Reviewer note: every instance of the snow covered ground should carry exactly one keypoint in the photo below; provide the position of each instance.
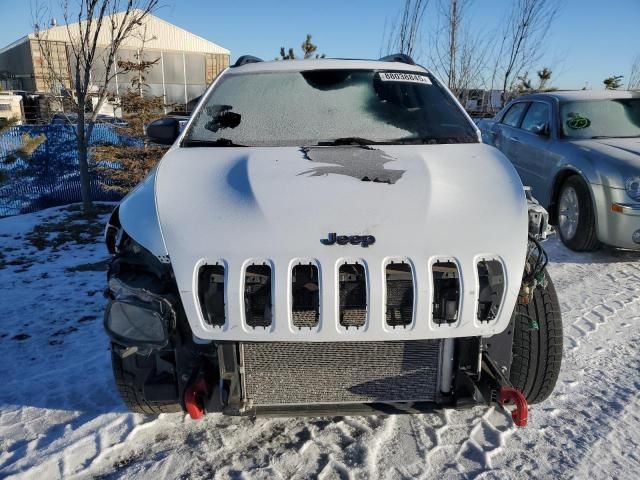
(60, 415)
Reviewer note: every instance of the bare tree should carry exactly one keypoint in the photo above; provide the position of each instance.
(634, 76)
(522, 41)
(404, 33)
(92, 59)
(458, 54)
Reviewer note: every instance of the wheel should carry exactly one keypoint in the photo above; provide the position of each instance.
(537, 352)
(130, 374)
(576, 216)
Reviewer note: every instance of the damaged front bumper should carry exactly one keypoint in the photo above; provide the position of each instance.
(477, 378)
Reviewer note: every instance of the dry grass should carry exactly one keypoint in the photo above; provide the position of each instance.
(75, 227)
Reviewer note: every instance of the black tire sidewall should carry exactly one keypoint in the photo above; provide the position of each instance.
(537, 352)
(125, 380)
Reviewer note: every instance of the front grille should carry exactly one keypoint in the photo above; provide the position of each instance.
(355, 285)
(303, 373)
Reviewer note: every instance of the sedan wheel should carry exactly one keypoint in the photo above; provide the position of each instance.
(568, 212)
(576, 216)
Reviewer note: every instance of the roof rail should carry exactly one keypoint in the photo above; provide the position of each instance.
(398, 57)
(244, 59)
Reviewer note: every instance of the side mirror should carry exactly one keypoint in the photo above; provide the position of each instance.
(164, 130)
(542, 129)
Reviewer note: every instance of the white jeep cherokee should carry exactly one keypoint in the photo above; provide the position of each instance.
(329, 236)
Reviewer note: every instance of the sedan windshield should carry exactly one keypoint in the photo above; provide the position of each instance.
(328, 107)
(601, 118)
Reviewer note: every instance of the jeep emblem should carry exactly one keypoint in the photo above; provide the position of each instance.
(363, 240)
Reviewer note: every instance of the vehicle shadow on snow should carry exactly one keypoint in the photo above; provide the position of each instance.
(48, 404)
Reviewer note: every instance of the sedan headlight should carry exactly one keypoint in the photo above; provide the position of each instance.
(632, 186)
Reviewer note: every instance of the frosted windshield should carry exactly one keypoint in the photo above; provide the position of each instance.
(312, 107)
(601, 118)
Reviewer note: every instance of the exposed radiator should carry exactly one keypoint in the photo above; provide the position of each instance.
(297, 373)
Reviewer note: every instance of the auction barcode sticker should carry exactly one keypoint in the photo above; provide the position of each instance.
(404, 77)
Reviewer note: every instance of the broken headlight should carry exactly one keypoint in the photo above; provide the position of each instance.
(136, 317)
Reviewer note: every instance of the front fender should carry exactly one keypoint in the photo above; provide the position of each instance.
(597, 168)
(559, 178)
(137, 215)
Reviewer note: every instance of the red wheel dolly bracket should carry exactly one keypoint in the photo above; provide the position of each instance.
(521, 413)
(194, 398)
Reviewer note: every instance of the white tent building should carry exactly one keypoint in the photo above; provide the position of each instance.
(186, 63)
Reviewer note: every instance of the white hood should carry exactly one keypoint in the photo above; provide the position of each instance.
(238, 205)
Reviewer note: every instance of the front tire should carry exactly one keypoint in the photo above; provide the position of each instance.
(537, 352)
(128, 373)
(577, 216)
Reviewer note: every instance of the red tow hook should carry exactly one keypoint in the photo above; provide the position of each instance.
(194, 397)
(521, 413)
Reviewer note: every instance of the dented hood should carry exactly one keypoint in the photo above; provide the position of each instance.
(276, 204)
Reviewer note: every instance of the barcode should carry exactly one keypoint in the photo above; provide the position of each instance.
(404, 77)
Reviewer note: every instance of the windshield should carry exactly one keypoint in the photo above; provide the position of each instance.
(601, 118)
(319, 107)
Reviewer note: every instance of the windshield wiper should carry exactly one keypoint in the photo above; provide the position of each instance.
(393, 141)
(349, 141)
(428, 140)
(220, 142)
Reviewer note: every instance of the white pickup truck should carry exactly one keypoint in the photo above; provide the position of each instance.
(329, 236)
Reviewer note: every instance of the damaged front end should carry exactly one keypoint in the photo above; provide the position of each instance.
(154, 356)
(164, 364)
(143, 299)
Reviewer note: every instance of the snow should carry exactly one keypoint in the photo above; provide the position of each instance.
(60, 414)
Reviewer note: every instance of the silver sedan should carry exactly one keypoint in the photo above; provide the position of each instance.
(580, 153)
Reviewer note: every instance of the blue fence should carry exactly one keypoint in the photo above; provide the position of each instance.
(51, 176)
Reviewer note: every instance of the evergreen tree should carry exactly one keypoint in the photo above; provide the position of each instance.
(613, 82)
(133, 162)
(544, 76)
(308, 49)
(524, 83)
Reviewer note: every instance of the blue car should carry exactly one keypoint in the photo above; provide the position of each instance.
(580, 153)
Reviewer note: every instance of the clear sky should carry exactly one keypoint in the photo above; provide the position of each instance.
(590, 40)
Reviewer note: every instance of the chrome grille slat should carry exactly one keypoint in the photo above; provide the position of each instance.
(292, 373)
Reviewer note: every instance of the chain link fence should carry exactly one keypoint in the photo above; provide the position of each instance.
(51, 176)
